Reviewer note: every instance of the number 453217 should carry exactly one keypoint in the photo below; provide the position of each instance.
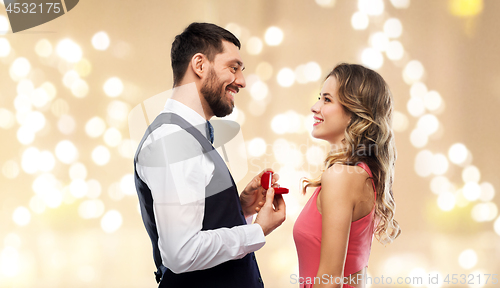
(471, 279)
(33, 8)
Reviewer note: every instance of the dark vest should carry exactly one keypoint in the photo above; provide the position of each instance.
(222, 210)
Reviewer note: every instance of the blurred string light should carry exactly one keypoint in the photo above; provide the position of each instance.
(259, 90)
(257, 147)
(273, 36)
(117, 112)
(66, 152)
(487, 192)
(446, 201)
(112, 137)
(254, 45)
(39, 97)
(100, 41)
(395, 50)
(309, 72)
(371, 7)
(288, 122)
(94, 189)
(428, 123)
(400, 121)
(69, 50)
(43, 48)
(4, 47)
(66, 124)
(326, 3)
(79, 88)
(471, 191)
(235, 29)
(21, 216)
(417, 273)
(19, 69)
(286, 77)
(101, 155)
(413, 72)
(77, 171)
(441, 184)
(393, 28)
(465, 8)
(9, 261)
(467, 259)
(89, 209)
(359, 21)
(78, 188)
(29, 160)
(484, 212)
(113, 87)
(95, 127)
(471, 174)
(25, 135)
(315, 155)
(4, 25)
(379, 41)
(70, 77)
(372, 58)
(83, 67)
(46, 161)
(458, 153)
(111, 221)
(496, 226)
(400, 4)
(127, 184)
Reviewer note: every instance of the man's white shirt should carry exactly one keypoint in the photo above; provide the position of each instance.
(178, 191)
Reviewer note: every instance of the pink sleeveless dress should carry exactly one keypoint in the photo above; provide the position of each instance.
(307, 236)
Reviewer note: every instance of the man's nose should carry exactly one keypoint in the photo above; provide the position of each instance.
(240, 80)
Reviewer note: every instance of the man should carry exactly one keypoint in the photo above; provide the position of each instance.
(189, 201)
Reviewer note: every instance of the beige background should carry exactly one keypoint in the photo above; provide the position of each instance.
(58, 248)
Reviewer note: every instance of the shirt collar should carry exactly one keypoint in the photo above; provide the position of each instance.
(188, 114)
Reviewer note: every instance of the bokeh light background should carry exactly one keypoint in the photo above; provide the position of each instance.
(68, 208)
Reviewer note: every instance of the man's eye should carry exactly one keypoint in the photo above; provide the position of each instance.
(234, 69)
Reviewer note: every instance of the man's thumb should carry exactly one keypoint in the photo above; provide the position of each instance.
(270, 196)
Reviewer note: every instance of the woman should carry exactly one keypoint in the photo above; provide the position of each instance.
(353, 201)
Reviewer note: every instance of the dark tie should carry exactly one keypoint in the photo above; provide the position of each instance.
(210, 132)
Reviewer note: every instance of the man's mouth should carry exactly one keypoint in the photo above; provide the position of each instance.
(232, 92)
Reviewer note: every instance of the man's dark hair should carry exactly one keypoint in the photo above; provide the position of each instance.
(205, 38)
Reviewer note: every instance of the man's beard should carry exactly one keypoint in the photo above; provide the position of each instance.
(214, 93)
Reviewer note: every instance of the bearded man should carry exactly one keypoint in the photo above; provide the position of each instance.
(200, 226)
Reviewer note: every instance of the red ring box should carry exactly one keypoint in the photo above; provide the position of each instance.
(265, 182)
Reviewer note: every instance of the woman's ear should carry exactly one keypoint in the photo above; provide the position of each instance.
(197, 64)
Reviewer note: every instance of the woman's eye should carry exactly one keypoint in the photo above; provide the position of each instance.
(327, 100)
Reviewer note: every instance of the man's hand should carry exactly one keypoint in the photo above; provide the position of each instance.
(273, 213)
(253, 196)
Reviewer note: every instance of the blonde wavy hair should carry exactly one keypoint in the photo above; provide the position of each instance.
(368, 138)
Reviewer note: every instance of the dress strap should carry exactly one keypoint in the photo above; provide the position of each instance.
(367, 169)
